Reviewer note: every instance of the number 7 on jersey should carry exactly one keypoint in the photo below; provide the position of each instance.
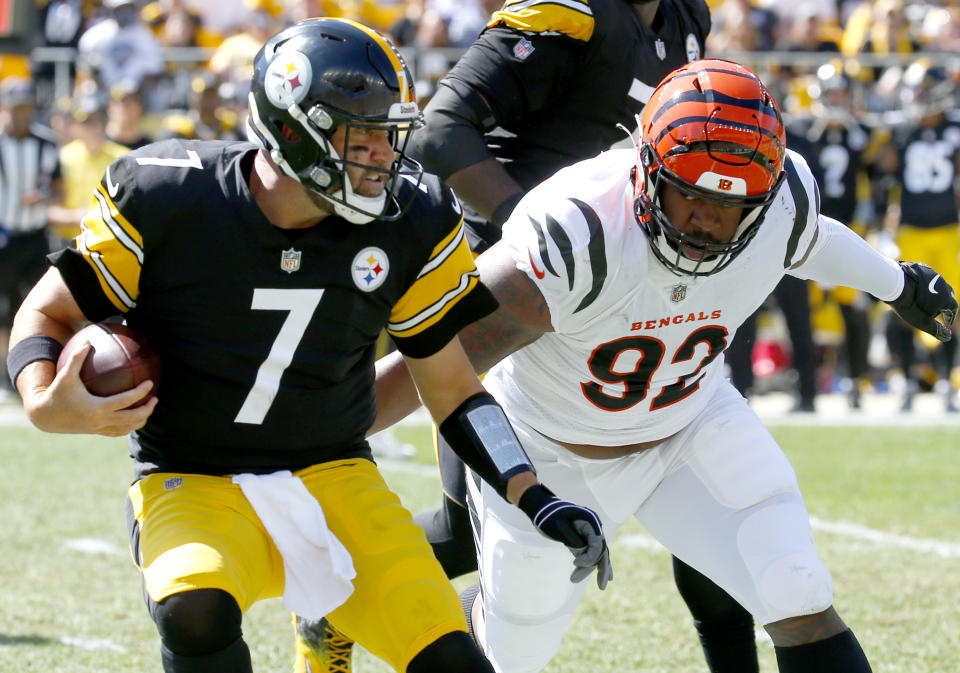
(301, 305)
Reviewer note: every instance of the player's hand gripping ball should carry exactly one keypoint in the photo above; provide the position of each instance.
(120, 359)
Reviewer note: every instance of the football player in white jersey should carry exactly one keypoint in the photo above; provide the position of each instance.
(621, 280)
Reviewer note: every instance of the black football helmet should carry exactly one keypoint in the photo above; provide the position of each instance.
(926, 89)
(314, 77)
(831, 94)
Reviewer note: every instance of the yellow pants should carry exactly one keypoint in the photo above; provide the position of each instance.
(199, 532)
(938, 247)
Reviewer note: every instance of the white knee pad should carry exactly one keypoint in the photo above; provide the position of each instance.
(776, 544)
(526, 581)
(795, 585)
(528, 598)
(520, 646)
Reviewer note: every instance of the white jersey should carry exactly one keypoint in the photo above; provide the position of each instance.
(637, 350)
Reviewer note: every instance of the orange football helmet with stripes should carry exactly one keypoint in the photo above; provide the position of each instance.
(712, 130)
(316, 76)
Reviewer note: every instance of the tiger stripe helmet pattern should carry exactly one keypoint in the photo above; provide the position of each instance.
(713, 131)
(312, 78)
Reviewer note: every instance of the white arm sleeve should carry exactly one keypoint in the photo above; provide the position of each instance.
(841, 257)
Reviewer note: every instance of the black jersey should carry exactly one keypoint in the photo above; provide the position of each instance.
(266, 336)
(927, 169)
(835, 154)
(559, 77)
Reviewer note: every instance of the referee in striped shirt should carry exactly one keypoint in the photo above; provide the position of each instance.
(29, 178)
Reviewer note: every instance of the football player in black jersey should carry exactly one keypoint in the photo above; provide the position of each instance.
(838, 149)
(926, 153)
(263, 274)
(546, 85)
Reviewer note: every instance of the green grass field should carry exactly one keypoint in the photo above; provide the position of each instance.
(71, 598)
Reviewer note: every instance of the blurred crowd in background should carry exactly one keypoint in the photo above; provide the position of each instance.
(864, 76)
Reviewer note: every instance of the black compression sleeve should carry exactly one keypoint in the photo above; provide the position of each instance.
(478, 431)
(452, 137)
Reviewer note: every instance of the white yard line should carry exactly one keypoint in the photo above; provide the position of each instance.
(92, 545)
(884, 539)
(91, 643)
(839, 528)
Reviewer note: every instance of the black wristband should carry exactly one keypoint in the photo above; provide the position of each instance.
(29, 350)
(534, 499)
(503, 211)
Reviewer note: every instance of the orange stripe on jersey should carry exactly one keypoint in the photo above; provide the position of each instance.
(448, 276)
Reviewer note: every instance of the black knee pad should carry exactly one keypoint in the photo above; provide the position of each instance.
(454, 651)
(198, 622)
(234, 658)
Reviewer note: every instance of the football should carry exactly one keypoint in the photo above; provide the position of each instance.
(120, 359)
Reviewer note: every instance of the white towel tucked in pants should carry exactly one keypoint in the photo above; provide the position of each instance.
(318, 569)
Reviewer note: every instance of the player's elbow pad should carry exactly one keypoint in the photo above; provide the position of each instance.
(452, 137)
(480, 434)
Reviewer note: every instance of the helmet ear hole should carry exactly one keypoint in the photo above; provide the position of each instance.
(647, 157)
(288, 133)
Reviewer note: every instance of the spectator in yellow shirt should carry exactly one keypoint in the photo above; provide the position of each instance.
(83, 162)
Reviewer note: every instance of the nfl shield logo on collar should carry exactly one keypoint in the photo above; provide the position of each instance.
(661, 49)
(290, 260)
(678, 293)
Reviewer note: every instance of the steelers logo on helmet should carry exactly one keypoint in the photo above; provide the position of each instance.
(370, 267)
(288, 79)
(712, 131)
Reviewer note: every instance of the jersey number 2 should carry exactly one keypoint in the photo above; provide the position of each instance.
(300, 304)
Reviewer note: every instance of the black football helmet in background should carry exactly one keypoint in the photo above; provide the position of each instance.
(926, 89)
(832, 94)
(321, 73)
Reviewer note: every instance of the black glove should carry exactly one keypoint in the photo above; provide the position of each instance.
(925, 296)
(577, 527)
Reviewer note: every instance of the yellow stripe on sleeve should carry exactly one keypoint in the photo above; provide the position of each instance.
(572, 18)
(449, 276)
(114, 250)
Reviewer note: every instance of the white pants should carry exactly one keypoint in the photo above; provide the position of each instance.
(720, 495)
